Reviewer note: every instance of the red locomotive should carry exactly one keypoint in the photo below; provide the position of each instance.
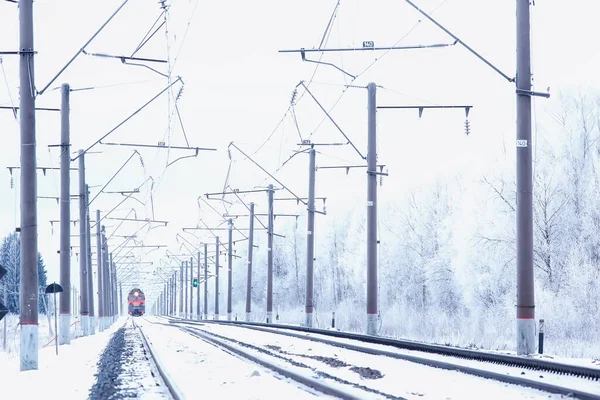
(136, 302)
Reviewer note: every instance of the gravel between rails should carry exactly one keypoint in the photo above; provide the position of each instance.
(126, 371)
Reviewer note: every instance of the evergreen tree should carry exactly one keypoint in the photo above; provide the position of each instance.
(10, 258)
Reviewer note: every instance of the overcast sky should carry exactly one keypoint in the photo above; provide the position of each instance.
(237, 87)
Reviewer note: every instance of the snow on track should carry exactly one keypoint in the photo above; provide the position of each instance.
(586, 385)
(398, 377)
(126, 371)
(200, 368)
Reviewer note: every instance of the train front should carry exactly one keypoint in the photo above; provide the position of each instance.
(137, 303)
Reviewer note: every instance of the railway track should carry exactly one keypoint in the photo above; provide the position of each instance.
(166, 378)
(356, 342)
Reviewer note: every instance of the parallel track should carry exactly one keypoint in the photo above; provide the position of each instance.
(507, 360)
(318, 385)
(166, 377)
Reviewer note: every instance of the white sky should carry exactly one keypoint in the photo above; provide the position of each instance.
(237, 88)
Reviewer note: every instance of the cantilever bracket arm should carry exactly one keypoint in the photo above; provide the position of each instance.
(303, 54)
(453, 36)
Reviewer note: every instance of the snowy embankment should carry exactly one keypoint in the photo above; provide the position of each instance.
(198, 366)
(68, 375)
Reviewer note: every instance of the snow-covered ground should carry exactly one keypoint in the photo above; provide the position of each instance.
(70, 375)
(199, 367)
(400, 378)
(264, 338)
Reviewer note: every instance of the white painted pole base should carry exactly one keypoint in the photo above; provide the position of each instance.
(64, 326)
(269, 317)
(228, 316)
(100, 324)
(372, 324)
(29, 347)
(216, 317)
(308, 320)
(92, 325)
(525, 336)
(85, 325)
(248, 317)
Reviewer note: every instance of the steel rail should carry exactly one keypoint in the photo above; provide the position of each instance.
(173, 389)
(592, 373)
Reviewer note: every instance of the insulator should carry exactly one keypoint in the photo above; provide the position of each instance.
(467, 127)
(141, 160)
(12, 182)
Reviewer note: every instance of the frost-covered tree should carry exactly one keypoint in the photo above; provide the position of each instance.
(10, 258)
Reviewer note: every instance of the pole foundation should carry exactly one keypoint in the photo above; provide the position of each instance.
(269, 317)
(308, 320)
(93, 323)
(526, 336)
(85, 325)
(248, 317)
(29, 347)
(228, 316)
(372, 324)
(64, 336)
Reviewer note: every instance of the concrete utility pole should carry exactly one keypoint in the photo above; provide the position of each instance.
(270, 258)
(191, 287)
(83, 238)
(217, 281)
(65, 218)
(100, 272)
(229, 270)
(310, 239)
(181, 291)
(185, 285)
(249, 279)
(372, 312)
(105, 304)
(174, 293)
(28, 290)
(90, 275)
(206, 281)
(109, 294)
(121, 297)
(525, 287)
(198, 312)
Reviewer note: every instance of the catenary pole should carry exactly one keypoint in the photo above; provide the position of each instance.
(372, 312)
(181, 291)
(217, 280)
(99, 263)
(29, 353)
(185, 284)
(105, 303)
(270, 257)
(90, 276)
(229, 270)
(83, 238)
(310, 239)
(249, 278)
(65, 218)
(198, 310)
(525, 287)
(206, 281)
(191, 316)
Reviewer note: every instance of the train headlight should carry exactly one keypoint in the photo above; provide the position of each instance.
(136, 294)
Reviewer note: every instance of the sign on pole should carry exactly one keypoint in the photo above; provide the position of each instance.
(55, 288)
(195, 282)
